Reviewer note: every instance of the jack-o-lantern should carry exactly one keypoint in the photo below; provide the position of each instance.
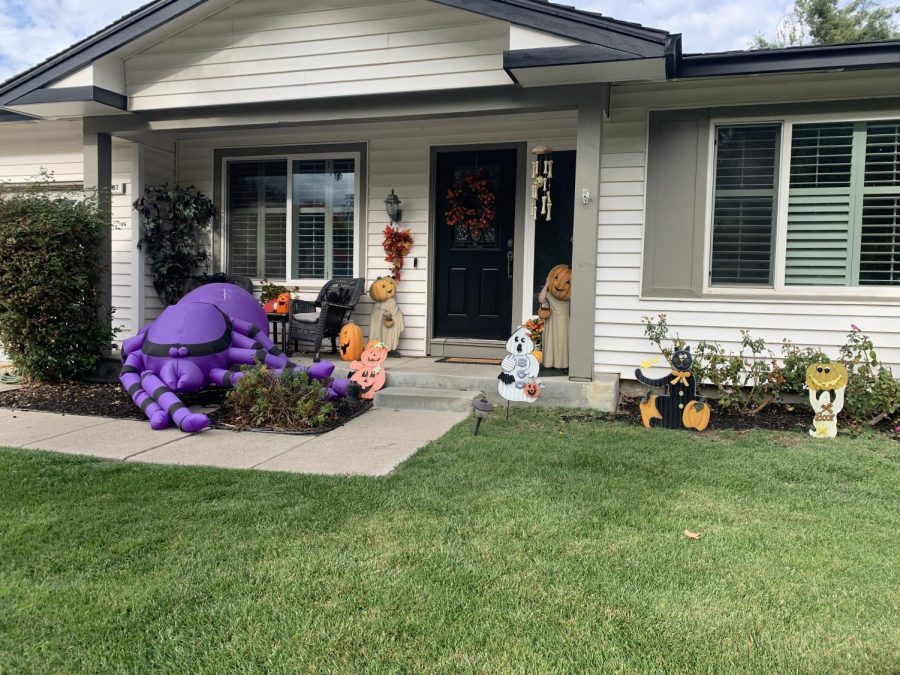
(283, 303)
(383, 288)
(532, 390)
(350, 342)
(559, 282)
(648, 410)
(369, 371)
(826, 376)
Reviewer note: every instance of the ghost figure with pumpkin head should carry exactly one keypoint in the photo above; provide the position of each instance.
(519, 369)
(554, 299)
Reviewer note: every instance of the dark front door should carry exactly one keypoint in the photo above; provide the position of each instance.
(473, 271)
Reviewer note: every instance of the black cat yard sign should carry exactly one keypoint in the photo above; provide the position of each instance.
(680, 407)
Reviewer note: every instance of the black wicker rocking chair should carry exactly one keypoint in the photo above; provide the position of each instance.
(312, 322)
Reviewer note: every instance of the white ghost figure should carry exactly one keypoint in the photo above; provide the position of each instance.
(519, 368)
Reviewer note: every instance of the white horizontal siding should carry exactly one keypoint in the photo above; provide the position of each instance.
(398, 158)
(29, 148)
(158, 168)
(122, 240)
(619, 342)
(278, 50)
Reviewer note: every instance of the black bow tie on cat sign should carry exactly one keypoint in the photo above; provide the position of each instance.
(679, 407)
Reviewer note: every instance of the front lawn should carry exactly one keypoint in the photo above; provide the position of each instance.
(545, 544)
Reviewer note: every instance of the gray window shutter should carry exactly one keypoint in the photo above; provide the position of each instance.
(675, 219)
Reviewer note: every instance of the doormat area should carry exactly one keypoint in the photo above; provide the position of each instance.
(471, 361)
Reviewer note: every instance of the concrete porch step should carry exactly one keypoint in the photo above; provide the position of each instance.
(601, 394)
(415, 398)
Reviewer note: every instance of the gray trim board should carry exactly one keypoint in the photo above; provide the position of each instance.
(568, 22)
(70, 94)
(10, 116)
(563, 56)
(350, 110)
(584, 238)
(98, 176)
(220, 154)
(867, 55)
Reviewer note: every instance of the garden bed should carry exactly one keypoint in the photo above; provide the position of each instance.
(774, 417)
(110, 400)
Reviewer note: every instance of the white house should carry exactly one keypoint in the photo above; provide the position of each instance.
(756, 190)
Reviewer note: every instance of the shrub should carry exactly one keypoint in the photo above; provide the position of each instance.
(174, 219)
(287, 402)
(747, 382)
(50, 322)
(796, 360)
(751, 379)
(872, 392)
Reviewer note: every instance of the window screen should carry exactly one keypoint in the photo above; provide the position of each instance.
(746, 175)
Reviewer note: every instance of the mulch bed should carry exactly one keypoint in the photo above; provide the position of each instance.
(774, 417)
(110, 400)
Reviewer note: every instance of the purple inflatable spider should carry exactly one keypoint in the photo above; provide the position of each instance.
(203, 340)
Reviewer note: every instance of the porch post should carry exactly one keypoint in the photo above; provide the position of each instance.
(98, 176)
(584, 236)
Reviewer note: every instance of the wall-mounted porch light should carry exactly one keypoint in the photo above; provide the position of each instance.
(392, 206)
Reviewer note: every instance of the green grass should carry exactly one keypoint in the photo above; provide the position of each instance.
(542, 545)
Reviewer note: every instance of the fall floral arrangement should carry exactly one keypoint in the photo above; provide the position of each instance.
(471, 203)
(397, 244)
(535, 326)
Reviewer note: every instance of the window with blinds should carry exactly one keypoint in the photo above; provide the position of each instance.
(324, 194)
(743, 228)
(319, 241)
(257, 218)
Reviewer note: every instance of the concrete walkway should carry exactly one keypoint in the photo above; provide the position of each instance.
(373, 444)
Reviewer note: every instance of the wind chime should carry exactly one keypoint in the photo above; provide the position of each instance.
(541, 174)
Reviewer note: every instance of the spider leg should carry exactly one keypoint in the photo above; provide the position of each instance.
(168, 401)
(247, 336)
(134, 343)
(251, 356)
(226, 378)
(130, 378)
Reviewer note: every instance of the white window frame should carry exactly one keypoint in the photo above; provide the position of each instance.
(308, 283)
(778, 287)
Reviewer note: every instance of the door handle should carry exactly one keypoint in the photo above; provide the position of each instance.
(509, 264)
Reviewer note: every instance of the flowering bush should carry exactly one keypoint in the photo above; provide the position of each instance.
(471, 203)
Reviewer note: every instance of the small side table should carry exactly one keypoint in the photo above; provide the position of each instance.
(283, 320)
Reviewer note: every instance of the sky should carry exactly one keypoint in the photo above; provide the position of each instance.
(32, 30)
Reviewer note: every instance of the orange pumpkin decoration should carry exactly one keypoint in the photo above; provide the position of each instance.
(383, 288)
(648, 410)
(350, 342)
(369, 372)
(283, 304)
(696, 415)
(533, 390)
(544, 312)
(559, 282)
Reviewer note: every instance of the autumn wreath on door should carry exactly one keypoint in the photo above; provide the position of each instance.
(471, 204)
